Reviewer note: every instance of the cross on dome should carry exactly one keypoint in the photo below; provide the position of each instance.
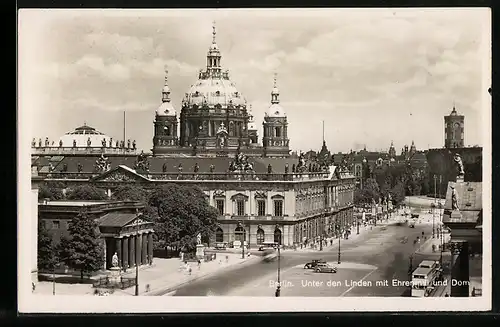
(213, 32)
(166, 74)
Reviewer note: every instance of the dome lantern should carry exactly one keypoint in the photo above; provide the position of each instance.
(166, 108)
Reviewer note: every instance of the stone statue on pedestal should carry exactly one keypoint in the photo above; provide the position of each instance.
(114, 260)
(198, 239)
(454, 198)
(460, 166)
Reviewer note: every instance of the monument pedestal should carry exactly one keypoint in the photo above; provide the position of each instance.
(200, 251)
(115, 275)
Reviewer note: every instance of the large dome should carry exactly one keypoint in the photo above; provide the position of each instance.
(82, 135)
(213, 90)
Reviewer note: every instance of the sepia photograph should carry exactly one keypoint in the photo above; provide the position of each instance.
(254, 160)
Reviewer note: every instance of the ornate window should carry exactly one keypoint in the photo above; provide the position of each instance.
(278, 208)
(56, 224)
(219, 204)
(260, 236)
(240, 207)
(219, 235)
(261, 207)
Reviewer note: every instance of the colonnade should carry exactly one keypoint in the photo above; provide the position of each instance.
(136, 249)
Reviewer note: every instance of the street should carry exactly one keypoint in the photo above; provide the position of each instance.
(370, 264)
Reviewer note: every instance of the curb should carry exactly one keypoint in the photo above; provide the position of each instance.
(173, 288)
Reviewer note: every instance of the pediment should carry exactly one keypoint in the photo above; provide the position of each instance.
(120, 174)
(137, 221)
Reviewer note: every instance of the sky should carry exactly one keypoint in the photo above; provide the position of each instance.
(373, 76)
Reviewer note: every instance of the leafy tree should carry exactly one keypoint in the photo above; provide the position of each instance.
(50, 191)
(130, 193)
(369, 193)
(83, 250)
(398, 193)
(86, 192)
(180, 213)
(47, 251)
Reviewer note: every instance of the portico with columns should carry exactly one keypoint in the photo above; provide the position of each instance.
(128, 235)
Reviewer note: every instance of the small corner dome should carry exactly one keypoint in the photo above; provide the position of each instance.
(276, 110)
(251, 126)
(166, 109)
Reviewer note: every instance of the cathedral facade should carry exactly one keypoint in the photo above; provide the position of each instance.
(216, 120)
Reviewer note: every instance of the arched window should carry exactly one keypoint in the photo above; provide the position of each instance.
(231, 128)
(239, 234)
(219, 235)
(260, 236)
(278, 131)
(277, 236)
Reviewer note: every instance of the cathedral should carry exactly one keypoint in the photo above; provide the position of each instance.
(215, 119)
(262, 193)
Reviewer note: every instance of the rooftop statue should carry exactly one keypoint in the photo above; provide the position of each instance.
(142, 163)
(102, 164)
(459, 165)
(301, 166)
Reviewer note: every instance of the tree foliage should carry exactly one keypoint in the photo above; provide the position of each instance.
(130, 192)
(181, 213)
(369, 193)
(47, 251)
(83, 250)
(50, 191)
(86, 192)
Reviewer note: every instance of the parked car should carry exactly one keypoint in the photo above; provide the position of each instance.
(313, 264)
(325, 268)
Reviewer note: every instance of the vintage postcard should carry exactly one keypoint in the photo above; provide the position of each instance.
(254, 160)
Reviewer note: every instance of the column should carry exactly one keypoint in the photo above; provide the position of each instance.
(125, 253)
(144, 249)
(460, 269)
(150, 247)
(132, 251)
(138, 245)
(118, 249)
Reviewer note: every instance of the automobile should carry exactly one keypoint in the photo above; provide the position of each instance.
(325, 268)
(270, 255)
(313, 263)
(267, 245)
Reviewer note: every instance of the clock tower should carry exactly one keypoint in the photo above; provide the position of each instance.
(454, 130)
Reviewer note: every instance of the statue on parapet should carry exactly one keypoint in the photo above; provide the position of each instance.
(128, 144)
(164, 167)
(196, 168)
(301, 166)
(110, 142)
(212, 168)
(74, 143)
(89, 142)
(459, 165)
(47, 143)
(60, 143)
(33, 143)
(102, 164)
(134, 145)
(142, 163)
(103, 143)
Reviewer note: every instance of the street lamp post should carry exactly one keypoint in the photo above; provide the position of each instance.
(357, 227)
(340, 235)
(434, 209)
(278, 288)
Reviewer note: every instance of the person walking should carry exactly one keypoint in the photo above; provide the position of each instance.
(199, 264)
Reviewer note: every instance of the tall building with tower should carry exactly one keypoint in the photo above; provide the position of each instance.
(454, 130)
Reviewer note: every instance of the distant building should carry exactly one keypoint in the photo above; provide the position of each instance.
(454, 130)
(441, 162)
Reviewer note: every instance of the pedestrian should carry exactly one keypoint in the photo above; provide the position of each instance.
(189, 269)
(227, 259)
(199, 264)
(331, 242)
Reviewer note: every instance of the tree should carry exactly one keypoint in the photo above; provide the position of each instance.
(86, 192)
(130, 193)
(398, 193)
(369, 193)
(83, 250)
(181, 213)
(50, 191)
(47, 251)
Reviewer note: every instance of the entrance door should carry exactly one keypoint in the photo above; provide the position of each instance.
(277, 236)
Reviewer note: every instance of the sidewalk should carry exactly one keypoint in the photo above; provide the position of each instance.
(426, 247)
(163, 275)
